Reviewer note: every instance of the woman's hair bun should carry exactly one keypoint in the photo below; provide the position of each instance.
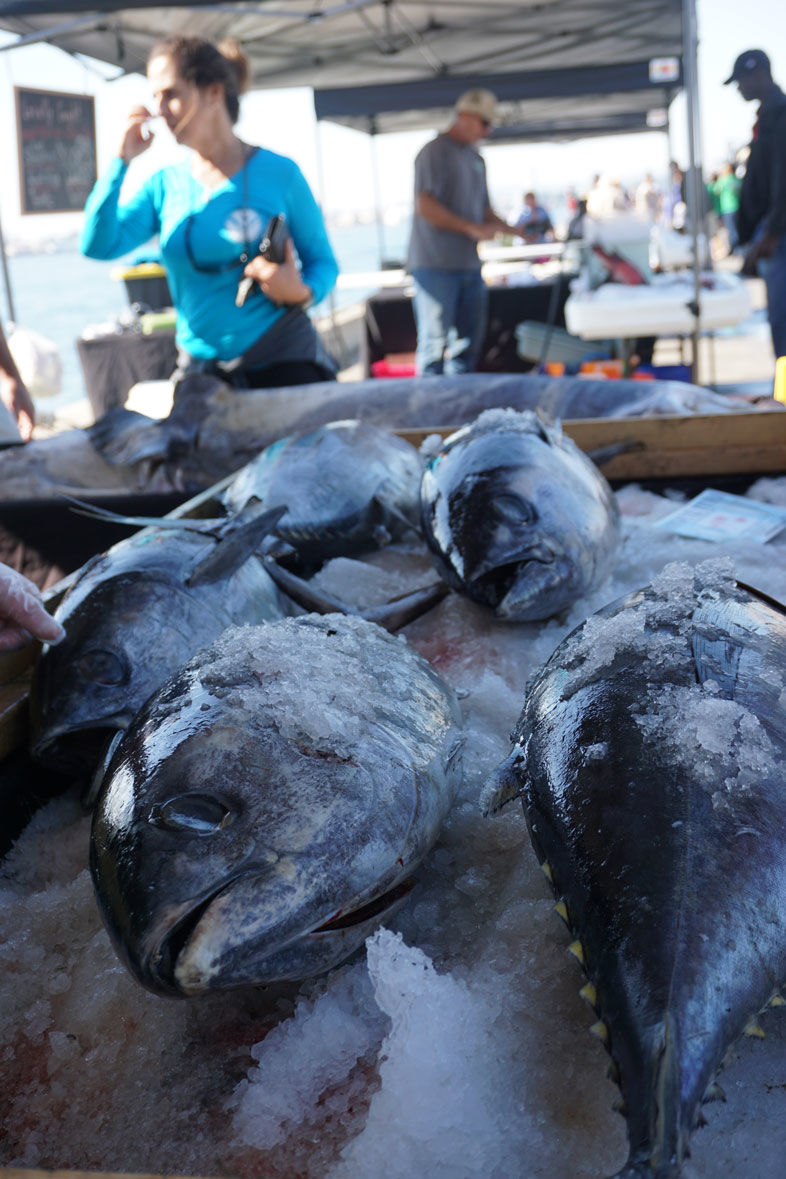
(230, 49)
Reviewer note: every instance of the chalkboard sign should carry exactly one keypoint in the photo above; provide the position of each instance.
(56, 134)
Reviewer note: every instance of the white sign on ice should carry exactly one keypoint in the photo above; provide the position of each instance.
(717, 515)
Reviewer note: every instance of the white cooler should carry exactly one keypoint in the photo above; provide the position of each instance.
(658, 308)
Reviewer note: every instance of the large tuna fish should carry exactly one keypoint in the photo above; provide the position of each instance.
(269, 805)
(518, 518)
(132, 616)
(650, 756)
(347, 487)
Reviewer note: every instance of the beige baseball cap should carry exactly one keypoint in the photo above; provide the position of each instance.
(478, 102)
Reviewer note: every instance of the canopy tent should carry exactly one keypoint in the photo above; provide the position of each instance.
(395, 64)
(533, 104)
(366, 60)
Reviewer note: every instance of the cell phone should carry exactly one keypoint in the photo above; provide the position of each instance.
(273, 244)
(273, 247)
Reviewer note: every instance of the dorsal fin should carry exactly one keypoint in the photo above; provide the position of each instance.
(234, 547)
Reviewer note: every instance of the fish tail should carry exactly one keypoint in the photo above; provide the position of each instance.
(661, 1143)
(641, 1168)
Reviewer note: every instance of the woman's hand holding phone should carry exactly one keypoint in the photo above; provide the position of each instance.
(137, 135)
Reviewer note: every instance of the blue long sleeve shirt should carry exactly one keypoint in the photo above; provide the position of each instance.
(202, 235)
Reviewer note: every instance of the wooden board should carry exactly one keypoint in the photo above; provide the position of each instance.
(675, 447)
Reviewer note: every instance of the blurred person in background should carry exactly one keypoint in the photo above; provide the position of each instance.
(607, 198)
(726, 197)
(13, 392)
(452, 213)
(761, 216)
(647, 199)
(534, 223)
(212, 211)
(674, 208)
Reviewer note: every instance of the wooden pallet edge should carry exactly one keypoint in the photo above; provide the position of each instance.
(662, 446)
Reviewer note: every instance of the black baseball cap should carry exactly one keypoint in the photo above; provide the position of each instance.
(746, 63)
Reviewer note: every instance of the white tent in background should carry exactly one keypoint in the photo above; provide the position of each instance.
(561, 68)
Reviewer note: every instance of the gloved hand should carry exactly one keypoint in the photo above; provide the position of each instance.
(22, 612)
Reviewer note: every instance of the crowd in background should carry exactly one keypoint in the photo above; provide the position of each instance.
(664, 205)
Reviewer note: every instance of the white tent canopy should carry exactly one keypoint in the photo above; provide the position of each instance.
(562, 68)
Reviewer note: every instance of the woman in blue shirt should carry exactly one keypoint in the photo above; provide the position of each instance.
(211, 214)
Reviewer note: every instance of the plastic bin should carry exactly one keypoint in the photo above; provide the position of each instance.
(666, 372)
(145, 283)
(531, 336)
(394, 366)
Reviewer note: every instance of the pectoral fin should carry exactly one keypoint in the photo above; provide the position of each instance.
(235, 546)
(506, 783)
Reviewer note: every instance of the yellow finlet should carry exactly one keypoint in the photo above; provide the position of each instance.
(714, 1093)
(600, 1030)
(779, 386)
(562, 910)
(753, 1029)
(613, 1072)
(777, 1000)
(577, 950)
(545, 868)
(589, 994)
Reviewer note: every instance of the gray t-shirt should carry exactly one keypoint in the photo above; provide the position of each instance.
(455, 175)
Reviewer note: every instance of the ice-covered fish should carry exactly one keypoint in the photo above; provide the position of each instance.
(269, 805)
(131, 617)
(347, 487)
(650, 757)
(517, 517)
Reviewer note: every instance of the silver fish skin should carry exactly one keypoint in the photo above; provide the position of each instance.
(517, 517)
(348, 487)
(269, 805)
(650, 759)
(132, 617)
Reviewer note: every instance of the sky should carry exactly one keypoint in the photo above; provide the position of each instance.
(340, 164)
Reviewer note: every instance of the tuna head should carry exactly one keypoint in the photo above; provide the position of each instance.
(517, 518)
(123, 638)
(242, 839)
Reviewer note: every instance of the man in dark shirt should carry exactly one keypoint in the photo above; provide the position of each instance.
(761, 217)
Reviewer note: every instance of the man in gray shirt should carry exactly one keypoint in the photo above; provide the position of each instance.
(452, 214)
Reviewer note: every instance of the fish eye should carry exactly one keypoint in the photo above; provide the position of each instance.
(512, 509)
(102, 667)
(201, 814)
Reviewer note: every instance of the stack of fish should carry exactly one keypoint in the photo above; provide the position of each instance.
(241, 838)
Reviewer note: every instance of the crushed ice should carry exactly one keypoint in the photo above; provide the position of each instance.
(458, 1046)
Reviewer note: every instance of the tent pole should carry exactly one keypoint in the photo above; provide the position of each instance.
(372, 128)
(695, 186)
(6, 277)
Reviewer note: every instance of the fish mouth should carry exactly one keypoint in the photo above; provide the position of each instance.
(519, 589)
(78, 749)
(350, 918)
(323, 945)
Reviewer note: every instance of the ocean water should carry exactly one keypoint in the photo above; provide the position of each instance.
(62, 293)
